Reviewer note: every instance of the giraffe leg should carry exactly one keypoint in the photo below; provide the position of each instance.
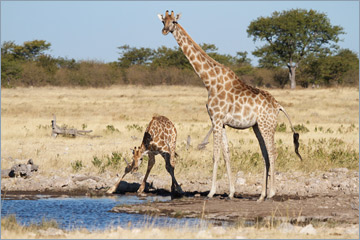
(216, 157)
(266, 161)
(114, 187)
(170, 167)
(270, 144)
(225, 149)
(151, 163)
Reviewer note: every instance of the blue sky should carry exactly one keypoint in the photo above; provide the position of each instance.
(92, 30)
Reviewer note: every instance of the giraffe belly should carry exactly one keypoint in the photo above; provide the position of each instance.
(239, 122)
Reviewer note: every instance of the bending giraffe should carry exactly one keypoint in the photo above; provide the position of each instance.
(159, 138)
(231, 103)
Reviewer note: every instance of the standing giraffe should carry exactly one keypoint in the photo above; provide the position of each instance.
(231, 103)
(159, 138)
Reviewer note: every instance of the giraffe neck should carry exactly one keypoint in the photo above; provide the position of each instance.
(202, 63)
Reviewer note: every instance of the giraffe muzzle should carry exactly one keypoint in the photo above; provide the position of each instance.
(165, 31)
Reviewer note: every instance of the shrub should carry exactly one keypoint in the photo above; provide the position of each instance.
(77, 165)
(115, 161)
(301, 128)
(281, 127)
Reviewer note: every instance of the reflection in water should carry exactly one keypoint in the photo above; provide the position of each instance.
(83, 212)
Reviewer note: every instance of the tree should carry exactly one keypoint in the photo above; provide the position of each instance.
(170, 57)
(10, 68)
(31, 50)
(291, 36)
(331, 69)
(134, 56)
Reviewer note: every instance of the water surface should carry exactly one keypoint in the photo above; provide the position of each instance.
(85, 212)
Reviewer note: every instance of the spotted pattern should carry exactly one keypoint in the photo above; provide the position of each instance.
(232, 103)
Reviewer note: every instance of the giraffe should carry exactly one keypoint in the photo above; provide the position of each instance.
(232, 103)
(159, 138)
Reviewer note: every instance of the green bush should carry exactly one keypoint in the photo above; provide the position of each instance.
(77, 165)
(115, 161)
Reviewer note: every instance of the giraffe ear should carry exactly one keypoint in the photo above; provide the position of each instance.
(178, 16)
(161, 17)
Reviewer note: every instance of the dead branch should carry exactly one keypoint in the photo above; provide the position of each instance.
(73, 132)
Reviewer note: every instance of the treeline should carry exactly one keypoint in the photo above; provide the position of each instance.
(29, 65)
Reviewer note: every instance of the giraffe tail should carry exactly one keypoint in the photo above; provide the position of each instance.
(295, 135)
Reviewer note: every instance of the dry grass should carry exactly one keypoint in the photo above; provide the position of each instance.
(12, 230)
(117, 114)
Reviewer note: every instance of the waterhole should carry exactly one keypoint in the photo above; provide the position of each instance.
(91, 213)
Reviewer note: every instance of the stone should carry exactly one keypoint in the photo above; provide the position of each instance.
(286, 227)
(339, 170)
(240, 181)
(308, 230)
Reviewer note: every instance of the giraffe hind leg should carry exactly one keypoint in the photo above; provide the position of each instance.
(266, 161)
(170, 167)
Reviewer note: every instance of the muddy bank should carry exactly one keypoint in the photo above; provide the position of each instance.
(245, 209)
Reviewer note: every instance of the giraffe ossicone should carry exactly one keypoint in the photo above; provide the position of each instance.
(231, 103)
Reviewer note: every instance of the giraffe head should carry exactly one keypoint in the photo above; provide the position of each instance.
(169, 21)
(138, 154)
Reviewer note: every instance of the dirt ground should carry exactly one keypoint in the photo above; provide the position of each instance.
(245, 209)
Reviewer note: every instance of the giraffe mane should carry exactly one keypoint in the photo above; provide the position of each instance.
(197, 47)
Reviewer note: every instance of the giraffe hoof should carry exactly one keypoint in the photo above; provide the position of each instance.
(110, 191)
(226, 198)
(272, 193)
(261, 199)
(142, 194)
(209, 196)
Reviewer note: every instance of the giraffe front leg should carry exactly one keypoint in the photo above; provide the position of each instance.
(225, 149)
(151, 163)
(114, 187)
(216, 157)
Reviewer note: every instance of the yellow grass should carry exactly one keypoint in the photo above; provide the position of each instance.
(12, 230)
(26, 115)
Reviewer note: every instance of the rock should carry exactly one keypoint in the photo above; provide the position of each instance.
(240, 181)
(339, 170)
(352, 230)
(308, 230)
(5, 173)
(20, 169)
(286, 227)
(88, 183)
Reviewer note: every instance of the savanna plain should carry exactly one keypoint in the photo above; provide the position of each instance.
(327, 120)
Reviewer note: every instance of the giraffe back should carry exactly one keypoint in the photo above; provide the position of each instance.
(160, 135)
